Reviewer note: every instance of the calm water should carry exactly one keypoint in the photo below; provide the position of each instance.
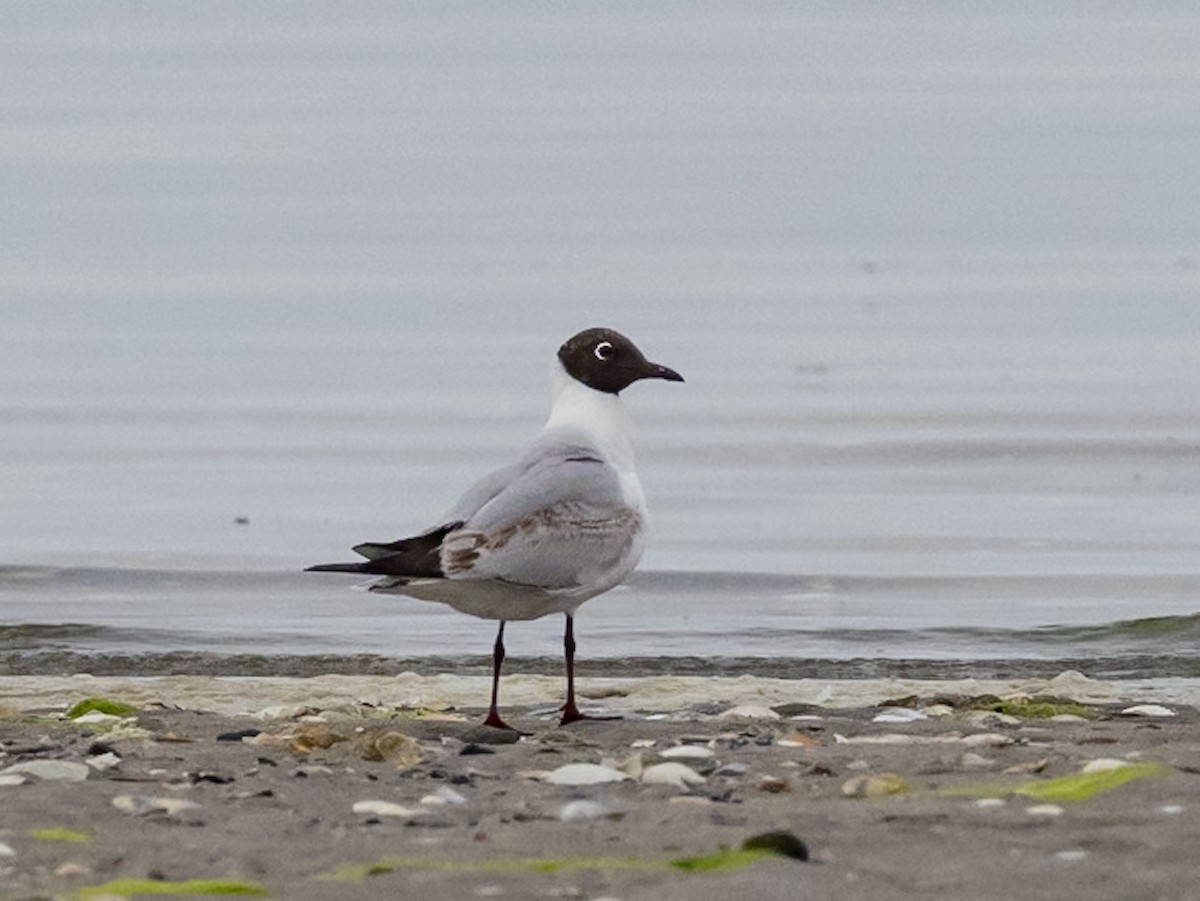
(933, 277)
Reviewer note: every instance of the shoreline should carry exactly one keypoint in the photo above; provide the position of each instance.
(243, 695)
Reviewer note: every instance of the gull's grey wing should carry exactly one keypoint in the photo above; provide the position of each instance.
(561, 523)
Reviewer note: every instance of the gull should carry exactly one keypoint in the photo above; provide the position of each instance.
(563, 524)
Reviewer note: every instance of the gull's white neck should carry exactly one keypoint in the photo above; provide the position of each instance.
(595, 416)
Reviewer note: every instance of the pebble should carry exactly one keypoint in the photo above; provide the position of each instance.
(6, 851)
(51, 770)
(386, 809)
(102, 762)
(798, 740)
(990, 802)
(732, 769)
(584, 774)
(96, 718)
(675, 774)
(1068, 718)
(582, 810)
(444, 795)
(1171, 809)
(12, 779)
(141, 805)
(687, 752)
(973, 761)
(748, 712)
(938, 710)
(875, 786)
(1072, 855)
(643, 743)
(898, 715)
(774, 785)
(1103, 765)
(1147, 710)
(1044, 810)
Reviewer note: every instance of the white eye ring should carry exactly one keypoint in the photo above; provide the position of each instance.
(603, 351)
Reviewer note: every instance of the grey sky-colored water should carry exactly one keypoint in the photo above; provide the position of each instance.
(932, 273)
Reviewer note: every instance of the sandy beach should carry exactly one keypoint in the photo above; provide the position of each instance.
(385, 787)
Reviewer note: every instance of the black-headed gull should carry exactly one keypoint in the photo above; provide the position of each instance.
(563, 524)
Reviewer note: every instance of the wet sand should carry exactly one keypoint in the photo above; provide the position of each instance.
(372, 787)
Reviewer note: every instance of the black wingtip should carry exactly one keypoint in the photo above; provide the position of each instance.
(335, 568)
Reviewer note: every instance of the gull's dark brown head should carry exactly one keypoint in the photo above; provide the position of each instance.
(608, 361)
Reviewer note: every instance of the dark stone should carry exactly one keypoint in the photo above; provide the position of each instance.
(239, 734)
(781, 842)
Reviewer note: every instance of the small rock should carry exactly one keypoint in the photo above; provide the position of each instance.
(898, 715)
(72, 868)
(140, 805)
(687, 752)
(1171, 809)
(691, 801)
(582, 809)
(732, 769)
(239, 734)
(938, 710)
(670, 773)
(6, 851)
(403, 751)
(12, 779)
(1044, 810)
(878, 786)
(472, 748)
(992, 718)
(1103, 765)
(798, 740)
(748, 712)
(1029, 766)
(1068, 718)
(1147, 710)
(973, 761)
(386, 809)
(774, 785)
(643, 743)
(990, 802)
(102, 762)
(490, 735)
(585, 774)
(51, 770)
(444, 795)
(1072, 855)
(781, 842)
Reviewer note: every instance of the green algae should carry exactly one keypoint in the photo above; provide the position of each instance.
(1038, 708)
(61, 834)
(100, 705)
(726, 859)
(132, 887)
(1076, 787)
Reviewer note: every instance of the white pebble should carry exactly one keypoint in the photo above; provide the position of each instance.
(643, 743)
(675, 774)
(584, 774)
(102, 762)
(1072, 855)
(385, 809)
(140, 805)
(990, 802)
(96, 718)
(687, 752)
(749, 712)
(1171, 809)
(1148, 710)
(938, 710)
(582, 810)
(51, 770)
(12, 779)
(6, 851)
(1044, 810)
(898, 715)
(1103, 765)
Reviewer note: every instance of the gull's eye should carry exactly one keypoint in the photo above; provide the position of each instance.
(604, 351)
